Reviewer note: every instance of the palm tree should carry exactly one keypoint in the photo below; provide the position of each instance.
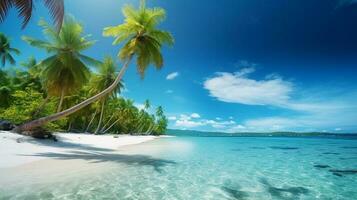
(65, 70)
(6, 50)
(25, 8)
(142, 39)
(102, 80)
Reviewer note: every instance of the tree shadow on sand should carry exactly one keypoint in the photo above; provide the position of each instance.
(64, 144)
(99, 157)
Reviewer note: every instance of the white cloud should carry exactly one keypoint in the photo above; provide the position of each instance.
(172, 76)
(172, 118)
(184, 117)
(218, 118)
(239, 88)
(195, 115)
(194, 120)
(315, 121)
(187, 123)
(169, 91)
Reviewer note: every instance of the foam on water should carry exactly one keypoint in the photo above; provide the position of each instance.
(212, 168)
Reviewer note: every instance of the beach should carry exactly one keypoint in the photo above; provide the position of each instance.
(17, 150)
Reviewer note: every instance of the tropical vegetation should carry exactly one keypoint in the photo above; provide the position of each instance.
(56, 89)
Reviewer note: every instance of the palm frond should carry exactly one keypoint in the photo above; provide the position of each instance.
(88, 60)
(40, 44)
(141, 36)
(16, 51)
(5, 6)
(24, 8)
(163, 37)
(10, 59)
(49, 31)
(56, 8)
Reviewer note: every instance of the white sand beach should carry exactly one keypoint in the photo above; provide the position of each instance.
(17, 150)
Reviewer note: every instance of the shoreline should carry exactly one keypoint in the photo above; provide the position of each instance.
(17, 150)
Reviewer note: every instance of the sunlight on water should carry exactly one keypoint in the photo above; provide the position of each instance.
(213, 168)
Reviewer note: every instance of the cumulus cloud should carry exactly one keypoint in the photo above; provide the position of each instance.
(172, 118)
(239, 88)
(273, 90)
(315, 109)
(172, 76)
(194, 120)
(195, 115)
(187, 124)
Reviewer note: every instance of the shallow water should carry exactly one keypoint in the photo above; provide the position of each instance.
(207, 168)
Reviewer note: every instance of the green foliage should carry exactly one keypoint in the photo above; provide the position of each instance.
(28, 93)
(65, 70)
(24, 103)
(6, 51)
(141, 37)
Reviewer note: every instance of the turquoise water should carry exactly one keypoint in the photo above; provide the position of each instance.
(213, 168)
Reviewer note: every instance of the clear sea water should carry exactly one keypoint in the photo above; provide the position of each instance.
(210, 168)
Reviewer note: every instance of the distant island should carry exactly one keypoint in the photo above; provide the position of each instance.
(177, 132)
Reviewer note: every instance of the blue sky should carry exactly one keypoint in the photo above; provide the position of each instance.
(237, 66)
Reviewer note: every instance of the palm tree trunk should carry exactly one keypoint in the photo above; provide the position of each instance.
(111, 126)
(90, 122)
(106, 124)
(69, 126)
(41, 121)
(61, 100)
(100, 118)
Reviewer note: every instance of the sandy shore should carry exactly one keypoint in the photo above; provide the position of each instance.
(17, 150)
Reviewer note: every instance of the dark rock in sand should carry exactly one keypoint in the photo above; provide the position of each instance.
(40, 133)
(6, 125)
(322, 166)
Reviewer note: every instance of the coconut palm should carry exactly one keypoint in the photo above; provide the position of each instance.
(102, 80)
(65, 71)
(143, 41)
(6, 51)
(25, 8)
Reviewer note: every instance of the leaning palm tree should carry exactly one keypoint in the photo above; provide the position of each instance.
(102, 80)
(65, 71)
(25, 8)
(6, 51)
(143, 41)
